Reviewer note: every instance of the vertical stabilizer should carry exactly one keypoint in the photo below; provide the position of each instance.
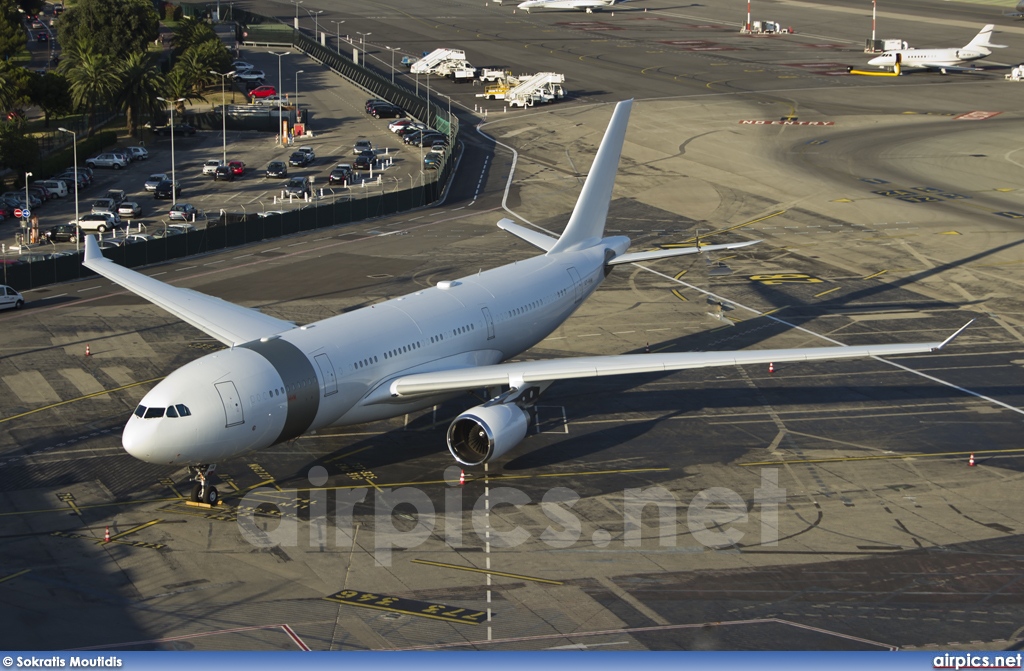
(982, 41)
(586, 225)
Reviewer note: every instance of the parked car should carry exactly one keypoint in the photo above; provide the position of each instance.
(104, 206)
(364, 161)
(99, 222)
(129, 209)
(18, 198)
(299, 158)
(6, 211)
(308, 151)
(410, 129)
(242, 66)
(115, 161)
(268, 100)
(41, 193)
(277, 169)
(137, 153)
(155, 179)
(179, 129)
(269, 213)
(341, 174)
(211, 166)
(375, 101)
(183, 212)
(223, 174)
(9, 298)
(163, 190)
(63, 233)
(361, 146)
(116, 195)
(399, 123)
(250, 75)
(55, 186)
(298, 186)
(387, 112)
(431, 162)
(263, 91)
(237, 168)
(184, 228)
(428, 139)
(439, 148)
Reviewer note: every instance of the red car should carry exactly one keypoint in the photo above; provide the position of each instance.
(264, 91)
(237, 168)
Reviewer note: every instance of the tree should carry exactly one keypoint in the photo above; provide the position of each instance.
(51, 93)
(197, 61)
(18, 151)
(15, 89)
(141, 84)
(12, 36)
(92, 77)
(116, 29)
(190, 33)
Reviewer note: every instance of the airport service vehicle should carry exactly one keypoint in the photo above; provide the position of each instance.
(589, 6)
(277, 169)
(115, 161)
(440, 62)
(9, 298)
(277, 381)
(491, 75)
(154, 181)
(943, 60)
(182, 212)
(211, 166)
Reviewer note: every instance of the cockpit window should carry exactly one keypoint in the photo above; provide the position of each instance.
(152, 413)
(140, 411)
(171, 412)
(183, 410)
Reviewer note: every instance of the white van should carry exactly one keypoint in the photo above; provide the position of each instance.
(9, 298)
(54, 186)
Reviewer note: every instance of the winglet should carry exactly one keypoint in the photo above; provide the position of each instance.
(92, 251)
(952, 337)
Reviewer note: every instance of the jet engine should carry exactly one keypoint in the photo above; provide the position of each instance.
(487, 432)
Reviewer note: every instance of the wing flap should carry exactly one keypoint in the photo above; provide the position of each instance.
(519, 373)
(229, 323)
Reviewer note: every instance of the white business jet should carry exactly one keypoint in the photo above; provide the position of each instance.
(944, 60)
(590, 6)
(1017, 13)
(277, 381)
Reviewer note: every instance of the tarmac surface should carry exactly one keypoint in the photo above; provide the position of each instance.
(642, 512)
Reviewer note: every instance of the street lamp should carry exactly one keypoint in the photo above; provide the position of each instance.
(296, 11)
(280, 98)
(316, 24)
(174, 182)
(26, 210)
(362, 45)
(224, 108)
(74, 143)
(392, 50)
(297, 73)
(337, 38)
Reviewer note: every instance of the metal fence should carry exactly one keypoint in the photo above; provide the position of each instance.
(235, 229)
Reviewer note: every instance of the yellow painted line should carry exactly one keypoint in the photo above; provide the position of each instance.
(397, 610)
(473, 569)
(653, 67)
(38, 511)
(726, 230)
(1005, 190)
(675, 292)
(74, 507)
(842, 200)
(79, 398)
(880, 272)
(15, 575)
(877, 457)
(827, 292)
(132, 530)
(950, 233)
(680, 274)
(349, 454)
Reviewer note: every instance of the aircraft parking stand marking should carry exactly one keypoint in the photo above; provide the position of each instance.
(15, 575)
(394, 604)
(474, 569)
(874, 275)
(827, 291)
(876, 457)
(79, 398)
(140, 527)
(1011, 215)
(267, 477)
(169, 483)
(100, 541)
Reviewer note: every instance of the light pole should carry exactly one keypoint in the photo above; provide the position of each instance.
(26, 209)
(280, 98)
(337, 39)
(74, 143)
(296, 12)
(392, 50)
(362, 46)
(174, 183)
(224, 109)
(316, 24)
(297, 73)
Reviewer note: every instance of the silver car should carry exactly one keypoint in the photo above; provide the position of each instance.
(115, 161)
(155, 179)
(128, 209)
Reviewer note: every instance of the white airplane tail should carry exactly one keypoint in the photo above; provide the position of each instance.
(586, 225)
(982, 41)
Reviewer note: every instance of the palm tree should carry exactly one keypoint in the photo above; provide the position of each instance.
(141, 84)
(92, 78)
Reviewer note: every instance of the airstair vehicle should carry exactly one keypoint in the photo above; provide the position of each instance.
(542, 87)
(440, 61)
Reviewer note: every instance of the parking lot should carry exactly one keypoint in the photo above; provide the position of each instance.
(337, 120)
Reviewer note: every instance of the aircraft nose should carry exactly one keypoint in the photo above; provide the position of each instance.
(876, 61)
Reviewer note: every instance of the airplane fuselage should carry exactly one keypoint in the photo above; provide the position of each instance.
(333, 372)
(919, 59)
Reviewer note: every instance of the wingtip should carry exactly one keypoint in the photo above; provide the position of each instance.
(953, 337)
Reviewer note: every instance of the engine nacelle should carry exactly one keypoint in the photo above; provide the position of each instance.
(487, 432)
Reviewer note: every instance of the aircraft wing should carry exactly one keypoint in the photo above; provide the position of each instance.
(229, 323)
(525, 372)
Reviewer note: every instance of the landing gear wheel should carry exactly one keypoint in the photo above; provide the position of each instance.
(203, 491)
(197, 492)
(211, 496)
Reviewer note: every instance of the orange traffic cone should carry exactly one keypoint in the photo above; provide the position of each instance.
(970, 462)
(771, 367)
(462, 478)
(87, 352)
(106, 535)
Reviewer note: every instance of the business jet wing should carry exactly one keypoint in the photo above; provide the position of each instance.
(525, 372)
(229, 323)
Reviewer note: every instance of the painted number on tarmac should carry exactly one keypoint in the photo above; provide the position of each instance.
(785, 278)
(396, 604)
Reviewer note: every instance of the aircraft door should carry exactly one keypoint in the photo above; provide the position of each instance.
(489, 322)
(327, 373)
(575, 283)
(232, 405)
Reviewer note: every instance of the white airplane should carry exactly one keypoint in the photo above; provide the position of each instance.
(277, 381)
(1017, 13)
(945, 60)
(590, 6)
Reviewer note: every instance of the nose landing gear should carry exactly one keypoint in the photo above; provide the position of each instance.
(203, 491)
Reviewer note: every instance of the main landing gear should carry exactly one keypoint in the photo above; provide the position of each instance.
(203, 491)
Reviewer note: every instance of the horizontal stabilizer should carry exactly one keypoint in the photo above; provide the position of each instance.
(535, 238)
(637, 257)
(229, 323)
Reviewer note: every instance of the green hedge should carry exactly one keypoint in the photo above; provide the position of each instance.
(58, 161)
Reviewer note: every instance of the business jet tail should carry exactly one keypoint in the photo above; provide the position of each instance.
(586, 225)
(982, 40)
